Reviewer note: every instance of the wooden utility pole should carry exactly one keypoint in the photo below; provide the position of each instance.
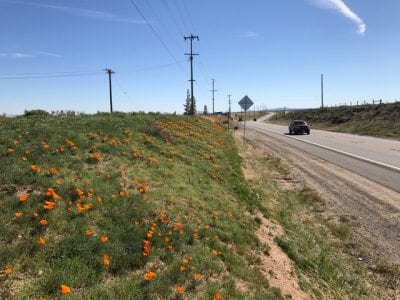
(229, 112)
(110, 72)
(213, 93)
(322, 91)
(191, 38)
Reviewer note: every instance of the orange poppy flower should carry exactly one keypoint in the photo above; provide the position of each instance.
(106, 260)
(89, 232)
(35, 215)
(23, 198)
(197, 276)
(15, 142)
(182, 268)
(49, 205)
(65, 289)
(104, 239)
(24, 158)
(41, 241)
(43, 222)
(19, 214)
(217, 296)
(8, 271)
(180, 290)
(185, 261)
(10, 150)
(35, 168)
(149, 276)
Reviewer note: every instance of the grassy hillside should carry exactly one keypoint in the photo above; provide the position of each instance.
(375, 120)
(125, 206)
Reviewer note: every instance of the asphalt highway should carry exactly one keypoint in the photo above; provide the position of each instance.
(374, 158)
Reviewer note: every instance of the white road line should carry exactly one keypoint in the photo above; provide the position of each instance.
(378, 163)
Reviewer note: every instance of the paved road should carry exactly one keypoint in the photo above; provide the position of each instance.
(375, 158)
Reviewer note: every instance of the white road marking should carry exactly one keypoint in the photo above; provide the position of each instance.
(378, 163)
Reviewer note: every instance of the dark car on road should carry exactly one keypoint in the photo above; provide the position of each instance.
(298, 126)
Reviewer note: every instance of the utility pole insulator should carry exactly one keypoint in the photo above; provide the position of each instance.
(191, 54)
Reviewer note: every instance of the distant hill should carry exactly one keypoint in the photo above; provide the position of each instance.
(376, 120)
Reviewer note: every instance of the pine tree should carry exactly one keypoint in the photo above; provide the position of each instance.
(205, 112)
(187, 104)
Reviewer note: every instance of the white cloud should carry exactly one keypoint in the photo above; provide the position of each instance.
(342, 8)
(45, 53)
(93, 14)
(247, 34)
(16, 55)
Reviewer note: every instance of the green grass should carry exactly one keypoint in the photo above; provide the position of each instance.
(173, 181)
(375, 120)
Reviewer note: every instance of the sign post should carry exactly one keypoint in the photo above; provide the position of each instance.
(245, 104)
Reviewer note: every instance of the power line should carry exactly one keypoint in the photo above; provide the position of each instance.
(187, 13)
(166, 3)
(153, 30)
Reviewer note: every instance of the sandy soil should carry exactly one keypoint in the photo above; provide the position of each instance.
(275, 265)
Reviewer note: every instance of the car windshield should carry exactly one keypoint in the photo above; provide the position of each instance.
(299, 123)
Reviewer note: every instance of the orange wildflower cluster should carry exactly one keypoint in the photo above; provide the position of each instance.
(180, 290)
(51, 172)
(45, 145)
(35, 168)
(71, 144)
(80, 193)
(43, 222)
(52, 194)
(149, 276)
(197, 276)
(65, 289)
(215, 252)
(115, 142)
(8, 271)
(41, 241)
(95, 156)
(142, 188)
(19, 214)
(49, 205)
(146, 247)
(89, 232)
(217, 296)
(83, 207)
(106, 260)
(60, 149)
(23, 198)
(103, 239)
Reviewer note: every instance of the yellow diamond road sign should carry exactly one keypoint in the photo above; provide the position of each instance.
(245, 103)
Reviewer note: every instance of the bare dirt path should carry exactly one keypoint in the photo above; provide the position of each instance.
(372, 211)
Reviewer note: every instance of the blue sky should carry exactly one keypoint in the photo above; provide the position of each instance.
(272, 50)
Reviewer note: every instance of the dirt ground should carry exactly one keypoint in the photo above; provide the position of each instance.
(371, 211)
